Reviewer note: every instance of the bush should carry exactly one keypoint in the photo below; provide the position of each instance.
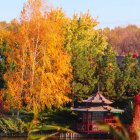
(12, 125)
(62, 116)
(26, 116)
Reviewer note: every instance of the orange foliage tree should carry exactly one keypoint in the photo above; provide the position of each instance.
(124, 40)
(3, 62)
(41, 70)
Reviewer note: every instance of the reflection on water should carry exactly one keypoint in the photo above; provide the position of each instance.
(13, 138)
(24, 138)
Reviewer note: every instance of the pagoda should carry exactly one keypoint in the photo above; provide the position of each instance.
(94, 109)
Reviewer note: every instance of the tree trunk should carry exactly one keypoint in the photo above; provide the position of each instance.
(17, 113)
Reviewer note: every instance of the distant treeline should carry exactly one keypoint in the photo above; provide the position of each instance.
(124, 40)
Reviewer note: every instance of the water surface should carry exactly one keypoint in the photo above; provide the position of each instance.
(13, 138)
(24, 138)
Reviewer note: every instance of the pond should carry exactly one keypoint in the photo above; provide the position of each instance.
(24, 138)
(13, 138)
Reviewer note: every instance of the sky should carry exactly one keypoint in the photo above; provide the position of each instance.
(109, 13)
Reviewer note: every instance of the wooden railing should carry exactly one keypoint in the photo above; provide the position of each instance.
(91, 126)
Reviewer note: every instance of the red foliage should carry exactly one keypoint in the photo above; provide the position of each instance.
(135, 54)
(136, 116)
(124, 40)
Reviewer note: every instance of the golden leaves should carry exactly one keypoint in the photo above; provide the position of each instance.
(43, 69)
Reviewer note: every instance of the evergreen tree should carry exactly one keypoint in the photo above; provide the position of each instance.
(3, 50)
(126, 82)
(86, 45)
(133, 86)
(106, 72)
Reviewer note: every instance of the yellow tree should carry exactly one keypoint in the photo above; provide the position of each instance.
(42, 66)
(15, 70)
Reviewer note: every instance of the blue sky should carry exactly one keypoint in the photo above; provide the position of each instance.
(110, 13)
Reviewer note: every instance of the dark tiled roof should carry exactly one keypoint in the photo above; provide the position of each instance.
(99, 103)
(98, 109)
(98, 98)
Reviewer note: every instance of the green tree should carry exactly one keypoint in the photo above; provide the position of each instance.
(3, 46)
(106, 71)
(133, 86)
(86, 45)
(126, 82)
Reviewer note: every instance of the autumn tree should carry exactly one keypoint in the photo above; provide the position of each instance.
(124, 40)
(42, 70)
(4, 66)
(3, 48)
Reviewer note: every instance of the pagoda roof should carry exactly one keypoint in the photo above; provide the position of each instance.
(98, 109)
(98, 98)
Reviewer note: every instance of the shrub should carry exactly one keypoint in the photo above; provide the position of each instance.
(12, 125)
